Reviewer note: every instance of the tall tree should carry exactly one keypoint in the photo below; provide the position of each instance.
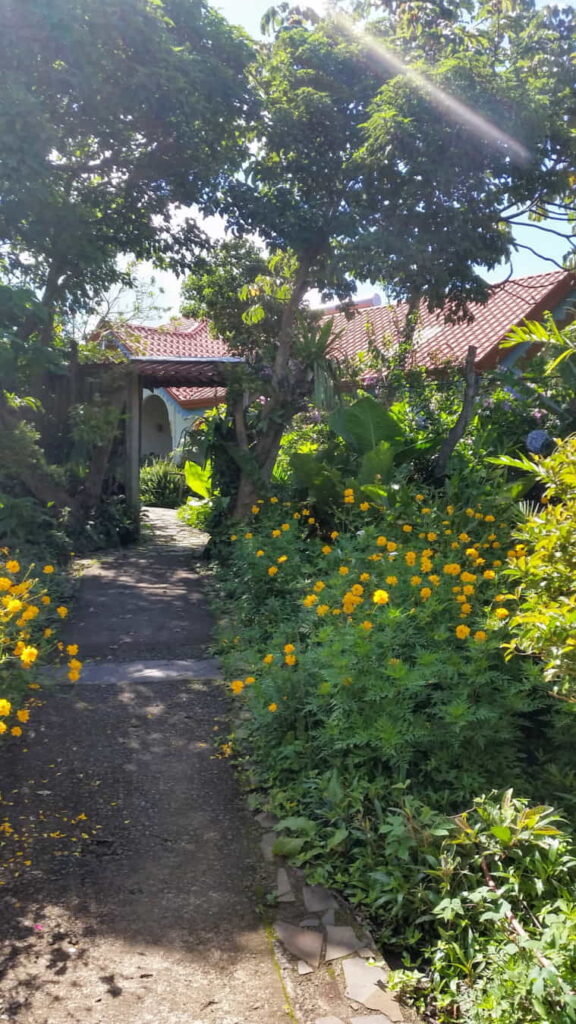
(396, 149)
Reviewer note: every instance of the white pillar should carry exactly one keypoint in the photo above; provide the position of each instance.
(133, 410)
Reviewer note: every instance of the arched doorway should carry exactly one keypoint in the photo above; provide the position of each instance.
(156, 437)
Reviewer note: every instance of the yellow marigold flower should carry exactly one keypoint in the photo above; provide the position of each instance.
(431, 536)
(468, 577)
(5, 583)
(357, 589)
(272, 570)
(464, 538)
(496, 544)
(407, 528)
(381, 597)
(489, 574)
(248, 536)
(452, 569)
(259, 553)
(319, 586)
(23, 715)
(273, 500)
(290, 659)
(237, 685)
(268, 659)
(367, 625)
(286, 526)
(72, 650)
(16, 730)
(454, 545)
(13, 605)
(334, 534)
(480, 636)
(465, 608)
(381, 542)
(364, 576)
(489, 519)
(419, 497)
(45, 599)
(249, 680)
(491, 536)
(472, 552)
(462, 631)
(343, 570)
(375, 558)
(468, 589)
(434, 579)
(391, 545)
(73, 675)
(391, 581)
(29, 655)
(426, 565)
(289, 648)
(469, 512)
(296, 515)
(410, 558)
(349, 500)
(415, 580)
(364, 506)
(3, 728)
(497, 562)
(47, 632)
(273, 707)
(348, 491)
(62, 611)
(5, 707)
(282, 559)
(255, 510)
(30, 612)
(425, 593)
(335, 611)
(502, 613)
(460, 598)
(276, 533)
(426, 511)
(448, 533)
(450, 509)
(233, 536)
(326, 549)
(310, 600)
(75, 664)
(13, 566)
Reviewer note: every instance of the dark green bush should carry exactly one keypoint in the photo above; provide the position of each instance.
(162, 484)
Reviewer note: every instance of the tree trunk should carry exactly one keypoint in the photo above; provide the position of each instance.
(457, 432)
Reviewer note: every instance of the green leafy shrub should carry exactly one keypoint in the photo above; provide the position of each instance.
(544, 623)
(368, 655)
(162, 484)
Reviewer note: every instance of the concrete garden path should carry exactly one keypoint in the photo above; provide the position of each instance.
(130, 865)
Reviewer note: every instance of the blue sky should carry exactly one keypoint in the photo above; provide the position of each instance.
(248, 15)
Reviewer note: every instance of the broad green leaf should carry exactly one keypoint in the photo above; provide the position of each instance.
(199, 479)
(365, 423)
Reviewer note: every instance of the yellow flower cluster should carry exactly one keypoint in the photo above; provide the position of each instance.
(24, 635)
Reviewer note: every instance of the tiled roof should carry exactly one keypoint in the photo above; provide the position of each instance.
(182, 338)
(198, 397)
(437, 342)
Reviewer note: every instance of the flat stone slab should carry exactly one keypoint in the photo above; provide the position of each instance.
(374, 1018)
(363, 985)
(341, 941)
(328, 1020)
(316, 898)
(284, 892)
(267, 846)
(301, 942)
(304, 968)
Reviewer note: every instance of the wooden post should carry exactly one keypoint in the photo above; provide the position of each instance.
(133, 408)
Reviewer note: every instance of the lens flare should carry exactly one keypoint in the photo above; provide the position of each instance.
(445, 102)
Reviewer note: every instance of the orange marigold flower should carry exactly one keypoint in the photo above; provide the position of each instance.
(502, 613)
(391, 545)
(16, 730)
(289, 648)
(319, 586)
(489, 574)
(48, 569)
(357, 590)
(415, 580)
(434, 579)
(367, 625)
(326, 549)
(343, 570)
(391, 581)
(268, 659)
(272, 570)
(407, 528)
(364, 576)
(410, 558)
(452, 569)
(425, 593)
(13, 566)
(290, 659)
(364, 506)
(381, 542)
(62, 611)
(480, 636)
(310, 600)
(273, 707)
(462, 631)
(23, 715)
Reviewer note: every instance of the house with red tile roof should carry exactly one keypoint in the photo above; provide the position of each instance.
(168, 412)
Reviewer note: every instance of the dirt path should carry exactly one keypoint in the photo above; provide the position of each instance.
(131, 875)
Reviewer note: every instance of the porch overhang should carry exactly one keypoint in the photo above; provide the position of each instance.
(183, 371)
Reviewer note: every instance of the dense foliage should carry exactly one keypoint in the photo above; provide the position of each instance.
(162, 483)
(368, 634)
